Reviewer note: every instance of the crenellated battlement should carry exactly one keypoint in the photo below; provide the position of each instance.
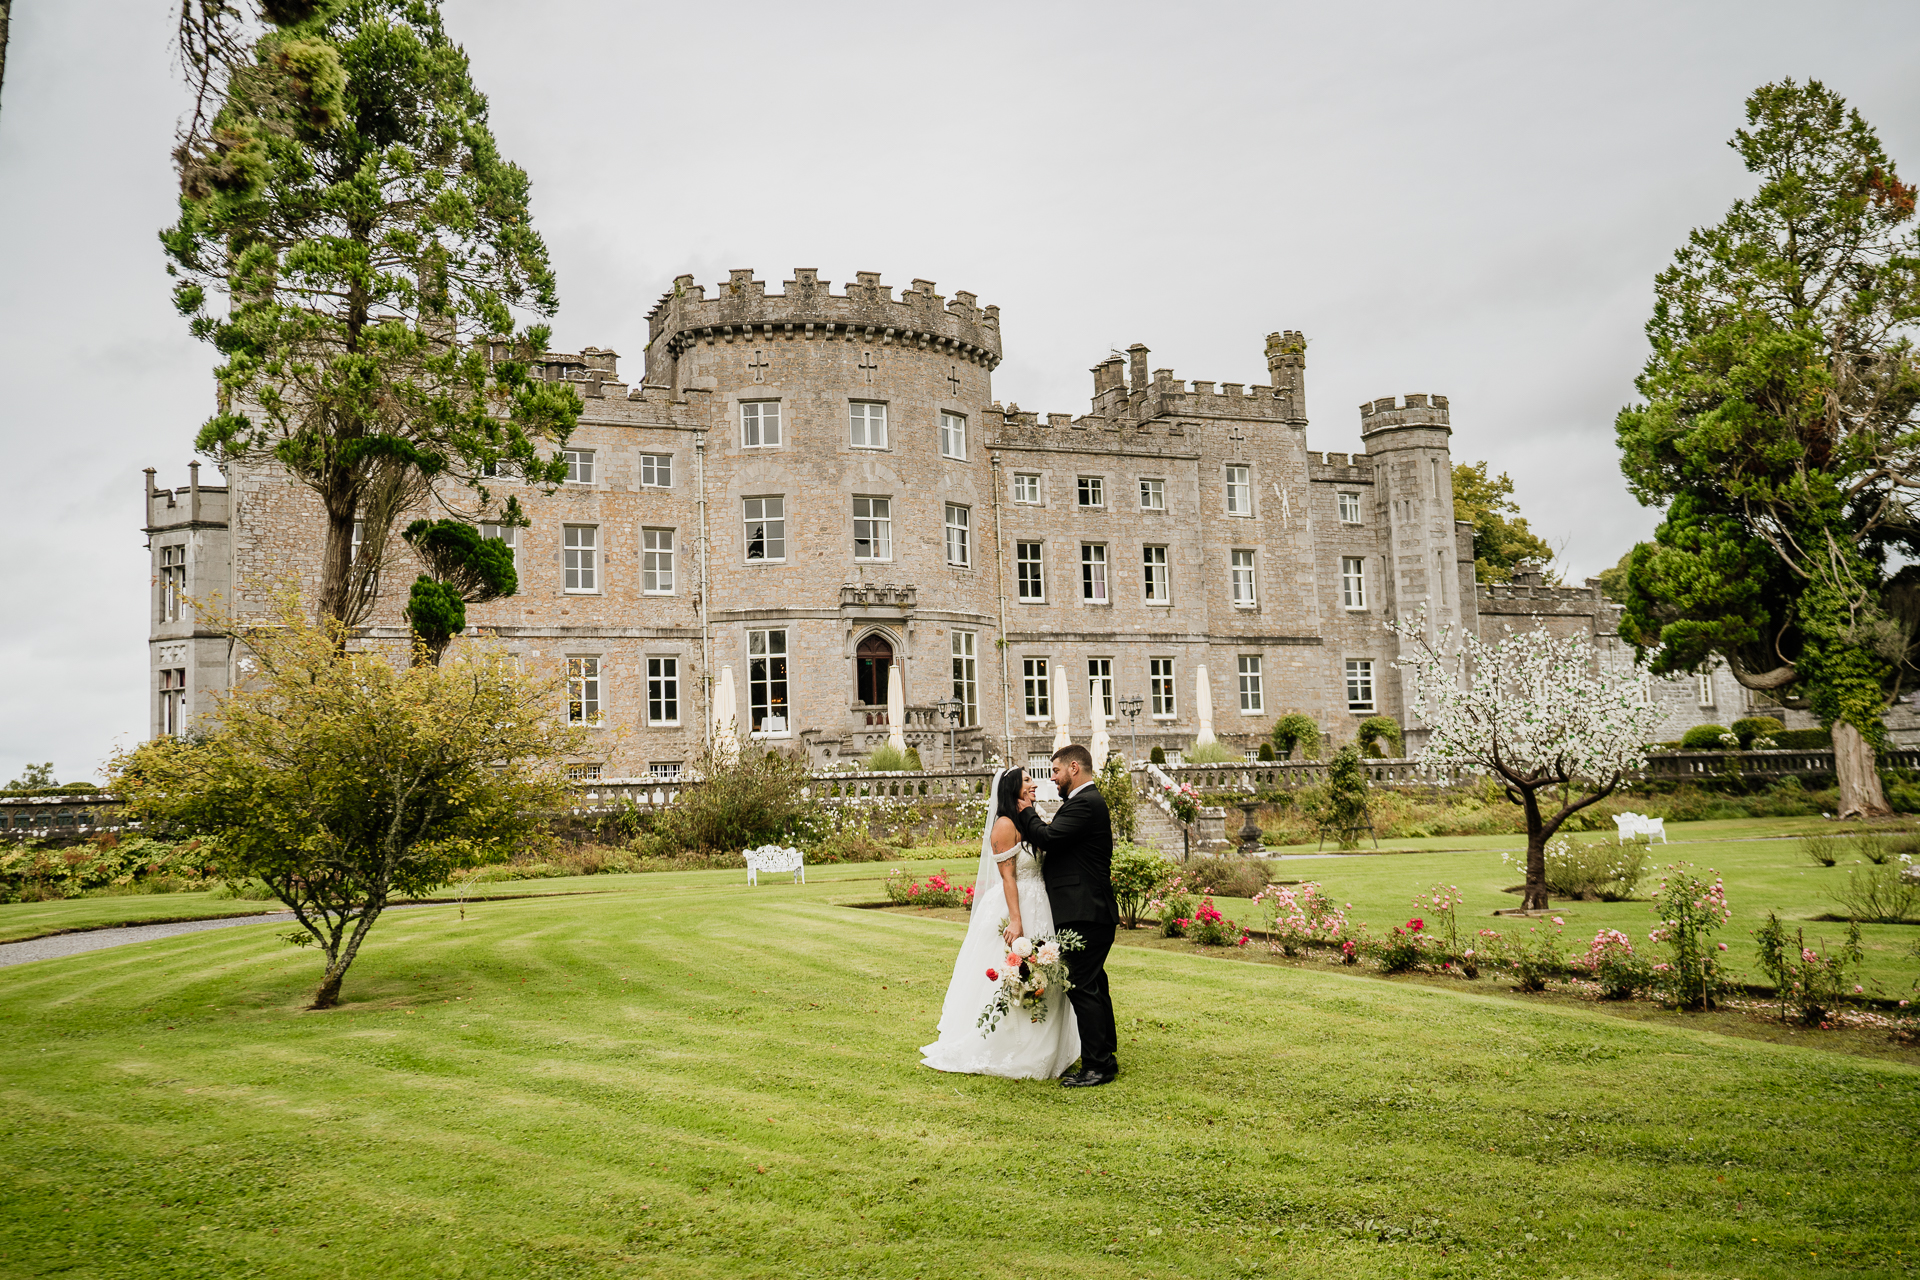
(1420, 410)
(1122, 387)
(1336, 468)
(808, 309)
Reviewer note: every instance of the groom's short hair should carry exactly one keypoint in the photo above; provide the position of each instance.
(1074, 753)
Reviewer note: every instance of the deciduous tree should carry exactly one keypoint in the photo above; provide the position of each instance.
(342, 190)
(1535, 712)
(1501, 537)
(343, 781)
(1779, 432)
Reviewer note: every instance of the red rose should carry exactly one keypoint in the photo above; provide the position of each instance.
(1416, 925)
(992, 976)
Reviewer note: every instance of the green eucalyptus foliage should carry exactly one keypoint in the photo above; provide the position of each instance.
(348, 200)
(1778, 427)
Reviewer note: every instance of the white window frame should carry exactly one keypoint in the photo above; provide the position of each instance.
(1094, 587)
(1360, 691)
(959, 536)
(1253, 697)
(1240, 490)
(953, 435)
(1153, 495)
(760, 424)
(1100, 684)
(580, 559)
(657, 552)
(1156, 575)
(867, 424)
(966, 676)
(1090, 493)
(1349, 507)
(1162, 690)
(353, 547)
(1036, 689)
(586, 700)
(656, 471)
(579, 465)
(1026, 488)
(878, 521)
(773, 527)
(1244, 577)
(664, 770)
(1353, 583)
(1030, 572)
(509, 534)
(663, 689)
(1706, 688)
(768, 650)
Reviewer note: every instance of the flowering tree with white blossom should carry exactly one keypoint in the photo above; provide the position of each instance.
(1537, 713)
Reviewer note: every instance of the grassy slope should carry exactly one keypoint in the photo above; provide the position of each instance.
(695, 1080)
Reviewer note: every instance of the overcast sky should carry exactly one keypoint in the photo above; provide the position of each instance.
(1463, 199)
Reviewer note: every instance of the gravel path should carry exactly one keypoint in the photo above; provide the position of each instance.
(72, 944)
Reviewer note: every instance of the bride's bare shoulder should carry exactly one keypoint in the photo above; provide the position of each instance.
(1005, 834)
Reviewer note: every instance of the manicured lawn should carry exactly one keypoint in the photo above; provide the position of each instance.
(692, 1079)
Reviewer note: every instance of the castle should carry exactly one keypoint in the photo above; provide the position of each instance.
(816, 494)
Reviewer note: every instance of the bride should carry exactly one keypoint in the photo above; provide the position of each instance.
(1007, 887)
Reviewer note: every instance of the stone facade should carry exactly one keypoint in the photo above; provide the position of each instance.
(818, 493)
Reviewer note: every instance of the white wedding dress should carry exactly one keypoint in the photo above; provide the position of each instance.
(1018, 1048)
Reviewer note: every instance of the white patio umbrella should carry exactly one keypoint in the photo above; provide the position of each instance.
(726, 716)
(1062, 708)
(897, 707)
(1203, 699)
(1098, 744)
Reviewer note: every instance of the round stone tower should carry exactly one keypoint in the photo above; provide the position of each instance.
(850, 503)
(1413, 482)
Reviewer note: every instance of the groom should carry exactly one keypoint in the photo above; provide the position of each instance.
(1078, 868)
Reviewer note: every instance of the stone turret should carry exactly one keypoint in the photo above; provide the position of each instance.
(1413, 475)
(1287, 367)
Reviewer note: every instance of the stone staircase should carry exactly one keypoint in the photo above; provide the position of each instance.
(1155, 825)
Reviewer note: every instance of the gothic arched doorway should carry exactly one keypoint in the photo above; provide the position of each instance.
(871, 662)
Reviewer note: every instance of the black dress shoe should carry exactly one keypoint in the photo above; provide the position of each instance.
(1089, 1079)
(1072, 1073)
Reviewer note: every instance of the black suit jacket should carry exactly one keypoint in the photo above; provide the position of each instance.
(1077, 862)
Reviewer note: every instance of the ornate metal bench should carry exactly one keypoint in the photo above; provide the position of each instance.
(775, 859)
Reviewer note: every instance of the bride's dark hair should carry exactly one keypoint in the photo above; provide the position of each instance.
(1008, 792)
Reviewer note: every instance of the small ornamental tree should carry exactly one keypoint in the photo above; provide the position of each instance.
(1536, 713)
(343, 781)
(463, 568)
(1115, 781)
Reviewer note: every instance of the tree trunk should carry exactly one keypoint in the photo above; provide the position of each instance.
(1535, 898)
(336, 558)
(328, 993)
(1858, 769)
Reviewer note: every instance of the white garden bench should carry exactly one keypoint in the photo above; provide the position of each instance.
(1635, 825)
(775, 859)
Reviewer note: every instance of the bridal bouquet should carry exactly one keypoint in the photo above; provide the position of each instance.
(1032, 969)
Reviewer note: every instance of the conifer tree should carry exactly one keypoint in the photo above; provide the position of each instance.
(1780, 433)
(342, 191)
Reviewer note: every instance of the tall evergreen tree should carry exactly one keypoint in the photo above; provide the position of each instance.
(1779, 431)
(341, 188)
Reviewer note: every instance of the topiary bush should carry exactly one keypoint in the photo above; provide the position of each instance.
(1266, 751)
(1375, 730)
(1157, 756)
(1296, 730)
(1804, 739)
(1751, 727)
(1703, 737)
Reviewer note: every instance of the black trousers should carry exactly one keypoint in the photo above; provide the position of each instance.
(1092, 1001)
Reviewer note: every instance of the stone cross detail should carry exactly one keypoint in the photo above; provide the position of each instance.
(1235, 434)
(868, 363)
(953, 379)
(759, 364)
